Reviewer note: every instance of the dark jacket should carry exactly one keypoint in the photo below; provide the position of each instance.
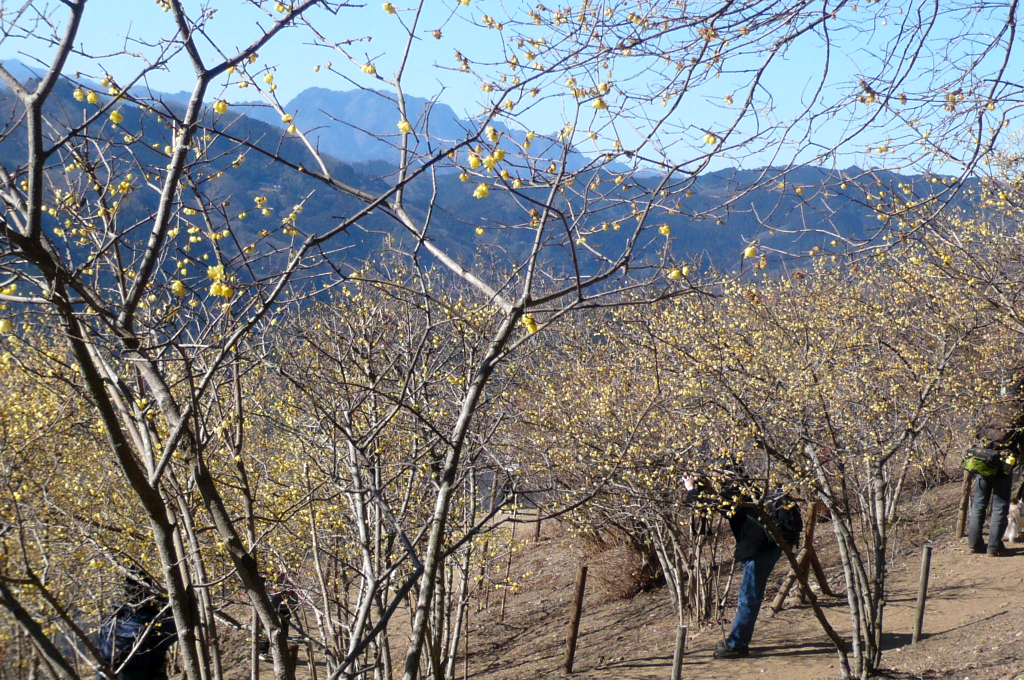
(120, 632)
(751, 537)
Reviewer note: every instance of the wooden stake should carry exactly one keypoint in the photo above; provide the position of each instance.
(922, 592)
(574, 621)
(791, 580)
(965, 500)
(677, 658)
(806, 558)
(819, 574)
(311, 660)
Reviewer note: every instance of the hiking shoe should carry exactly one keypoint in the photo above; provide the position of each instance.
(724, 651)
(977, 551)
(1000, 552)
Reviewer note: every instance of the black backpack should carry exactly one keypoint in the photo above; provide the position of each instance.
(785, 513)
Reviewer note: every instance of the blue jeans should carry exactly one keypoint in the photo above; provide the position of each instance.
(998, 488)
(756, 571)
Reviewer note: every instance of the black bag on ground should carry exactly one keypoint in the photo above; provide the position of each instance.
(785, 513)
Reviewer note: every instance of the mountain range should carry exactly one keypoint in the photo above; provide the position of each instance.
(719, 214)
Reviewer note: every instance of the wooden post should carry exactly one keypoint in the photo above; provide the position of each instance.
(922, 591)
(807, 559)
(311, 659)
(965, 500)
(812, 522)
(536, 528)
(574, 621)
(791, 580)
(819, 574)
(677, 658)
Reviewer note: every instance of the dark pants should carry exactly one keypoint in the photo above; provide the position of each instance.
(998, 488)
(283, 608)
(756, 571)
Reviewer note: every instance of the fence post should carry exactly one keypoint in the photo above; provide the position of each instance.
(677, 658)
(965, 499)
(922, 592)
(311, 659)
(574, 621)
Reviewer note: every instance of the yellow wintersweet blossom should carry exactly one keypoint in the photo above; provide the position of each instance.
(78, 94)
(389, 8)
(92, 98)
(215, 273)
(178, 288)
(222, 290)
(370, 69)
(116, 117)
(220, 106)
(749, 252)
(5, 325)
(529, 323)
(404, 126)
(481, 191)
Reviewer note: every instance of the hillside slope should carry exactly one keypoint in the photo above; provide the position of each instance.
(973, 623)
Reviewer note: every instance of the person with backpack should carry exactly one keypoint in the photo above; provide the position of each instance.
(136, 637)
(992, 466)
(755, 550)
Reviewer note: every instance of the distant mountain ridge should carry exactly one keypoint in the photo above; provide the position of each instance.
(362, 125)
(720, 213)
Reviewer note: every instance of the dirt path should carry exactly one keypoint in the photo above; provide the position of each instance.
(974, 624)
(973, 629)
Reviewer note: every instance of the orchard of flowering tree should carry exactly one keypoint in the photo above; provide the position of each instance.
(260, 344)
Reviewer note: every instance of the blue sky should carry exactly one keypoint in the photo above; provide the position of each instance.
(858, 37)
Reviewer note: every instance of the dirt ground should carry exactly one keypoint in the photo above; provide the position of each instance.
(973, 626)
